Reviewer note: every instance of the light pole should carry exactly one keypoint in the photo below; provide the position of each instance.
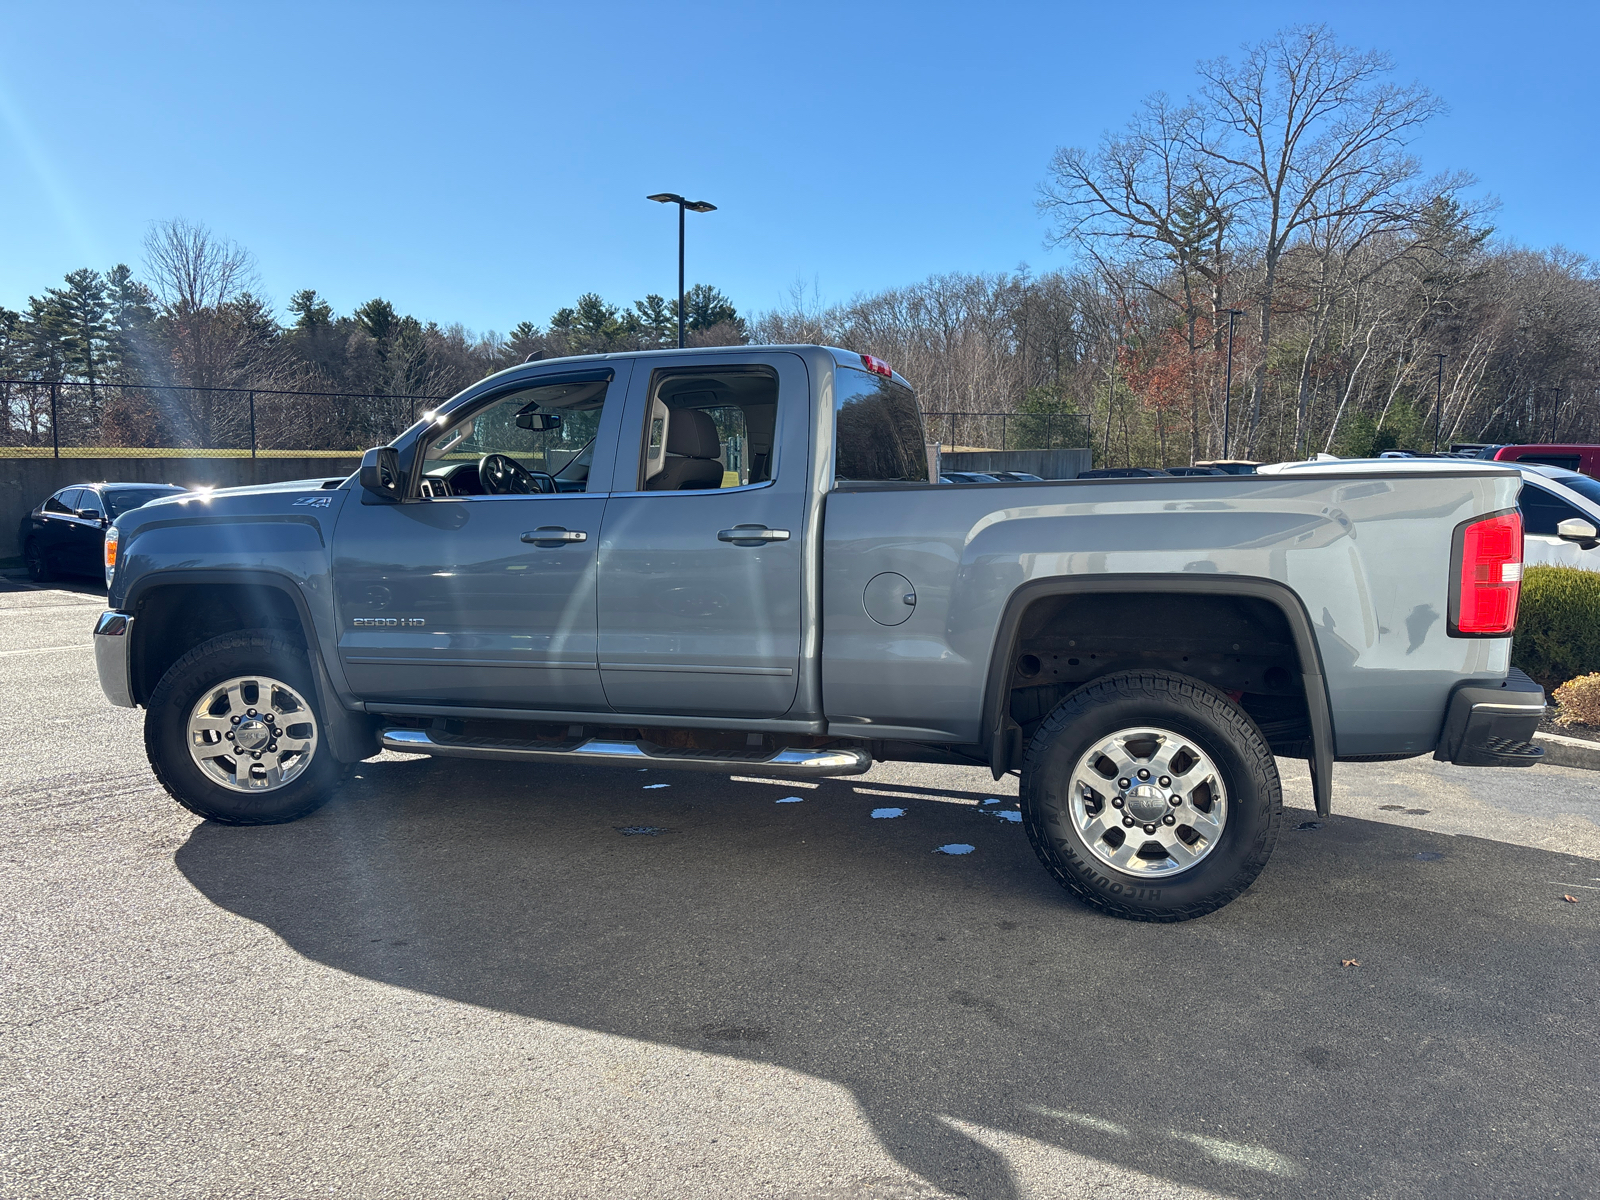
(1227, 388)
(699, 206)
(1438, 393)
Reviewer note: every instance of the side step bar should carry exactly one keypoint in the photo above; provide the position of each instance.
(786, 764)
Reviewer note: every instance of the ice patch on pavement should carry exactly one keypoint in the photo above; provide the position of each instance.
(789, 800)
(1004, 814)
(992, 800)
(881, 814)
(956, 848)
(652, 786)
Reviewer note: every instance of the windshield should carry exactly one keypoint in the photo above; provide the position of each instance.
(1588, 488)
(121, 500)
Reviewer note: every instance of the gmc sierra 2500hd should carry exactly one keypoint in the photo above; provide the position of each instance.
(738, 560)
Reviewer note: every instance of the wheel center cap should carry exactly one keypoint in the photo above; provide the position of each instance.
(1147, 803)
(251, 734)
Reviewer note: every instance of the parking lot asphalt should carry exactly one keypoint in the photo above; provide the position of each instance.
(497, 981)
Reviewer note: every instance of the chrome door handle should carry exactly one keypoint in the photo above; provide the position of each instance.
(554, 535)
(751, 535)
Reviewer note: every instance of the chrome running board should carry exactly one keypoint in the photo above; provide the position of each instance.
(787, 764)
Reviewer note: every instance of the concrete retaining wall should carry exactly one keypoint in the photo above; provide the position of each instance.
(1047, 464)
(25, 482)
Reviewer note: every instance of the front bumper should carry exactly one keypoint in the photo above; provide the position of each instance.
(113, 635)
(1492, 724)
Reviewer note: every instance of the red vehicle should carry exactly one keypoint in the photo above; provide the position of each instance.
(1574, 457)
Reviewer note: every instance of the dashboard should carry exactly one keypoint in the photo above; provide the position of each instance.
(453, 479)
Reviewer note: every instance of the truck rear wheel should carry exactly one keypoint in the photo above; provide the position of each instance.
(1151, 796)
(234, 734)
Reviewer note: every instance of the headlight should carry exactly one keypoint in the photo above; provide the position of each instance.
(111, 554)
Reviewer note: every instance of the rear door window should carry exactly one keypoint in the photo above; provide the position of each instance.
(709, 428)
(64, 501)
(1569, 461)
(877, 430)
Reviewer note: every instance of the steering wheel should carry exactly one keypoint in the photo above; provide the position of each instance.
(502, 476)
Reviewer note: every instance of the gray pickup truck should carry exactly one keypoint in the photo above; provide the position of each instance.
(738, 560)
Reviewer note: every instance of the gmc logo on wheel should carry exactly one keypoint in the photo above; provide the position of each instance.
(388, 622)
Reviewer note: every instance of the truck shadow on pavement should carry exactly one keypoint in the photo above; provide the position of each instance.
(1234, 1053)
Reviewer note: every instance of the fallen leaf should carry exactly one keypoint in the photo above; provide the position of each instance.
(1349, 962)
(1570, 899)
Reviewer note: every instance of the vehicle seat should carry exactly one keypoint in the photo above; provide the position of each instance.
(692, 454)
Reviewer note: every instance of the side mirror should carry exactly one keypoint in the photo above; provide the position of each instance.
(380, 473)
(1582, 532)
(539, 422)
(91, 514)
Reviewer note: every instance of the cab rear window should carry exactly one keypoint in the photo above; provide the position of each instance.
(877, 430)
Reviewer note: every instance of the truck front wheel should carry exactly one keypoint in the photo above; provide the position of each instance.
(1151, 796)
(234, 734)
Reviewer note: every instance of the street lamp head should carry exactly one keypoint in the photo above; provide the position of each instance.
(692, 205)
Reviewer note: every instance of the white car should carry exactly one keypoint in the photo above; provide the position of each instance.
(1551, 497)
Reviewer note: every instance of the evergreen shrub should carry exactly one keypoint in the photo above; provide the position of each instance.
(1558, 625)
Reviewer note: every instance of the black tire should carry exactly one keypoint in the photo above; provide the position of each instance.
(166, 731)
(1219, 729)
(39, 568)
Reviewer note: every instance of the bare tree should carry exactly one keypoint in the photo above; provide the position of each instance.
(1312, 132)
(218, 334)
(192, 269)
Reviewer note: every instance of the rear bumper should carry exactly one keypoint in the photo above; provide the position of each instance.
(113, 634)
(1492, 724)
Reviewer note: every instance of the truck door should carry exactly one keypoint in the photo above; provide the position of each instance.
(702, 558)
(479, 589)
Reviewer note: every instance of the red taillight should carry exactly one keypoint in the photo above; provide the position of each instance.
(876, 365)
(1491, 576)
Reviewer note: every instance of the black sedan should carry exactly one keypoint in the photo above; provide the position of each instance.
(66, 534)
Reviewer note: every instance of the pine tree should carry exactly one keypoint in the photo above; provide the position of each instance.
(131, 353)
(658, 326)
(706, 308)
(78, 320)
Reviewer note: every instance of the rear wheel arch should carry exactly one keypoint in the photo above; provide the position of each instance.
(1032, 604)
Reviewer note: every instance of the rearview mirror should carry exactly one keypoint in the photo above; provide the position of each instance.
(1582, 532)
(539, 422)
(380, 473)
(91, 514)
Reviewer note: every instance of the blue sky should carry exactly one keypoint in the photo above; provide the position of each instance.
(487, 163)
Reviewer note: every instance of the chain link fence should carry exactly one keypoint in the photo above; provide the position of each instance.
(44, 419)
(1007, 431)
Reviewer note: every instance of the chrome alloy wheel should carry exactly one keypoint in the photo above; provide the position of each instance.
(1148, 802)
(252, 734)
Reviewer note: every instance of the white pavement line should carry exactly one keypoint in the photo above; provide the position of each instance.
(44, 650)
